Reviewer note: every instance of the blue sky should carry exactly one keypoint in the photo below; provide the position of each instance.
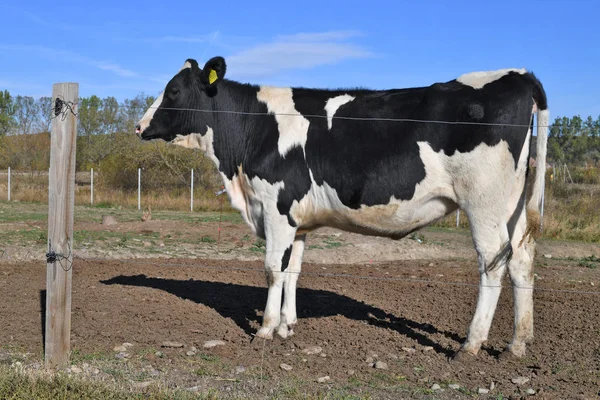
(123, 48)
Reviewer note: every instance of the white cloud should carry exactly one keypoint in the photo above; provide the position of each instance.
(69, 56)
(299, 51)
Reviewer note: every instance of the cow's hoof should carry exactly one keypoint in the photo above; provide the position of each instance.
(285, 331)
(264, 333)
(513, 352)
(463, 356)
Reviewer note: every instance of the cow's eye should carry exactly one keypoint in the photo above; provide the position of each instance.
(174, 91)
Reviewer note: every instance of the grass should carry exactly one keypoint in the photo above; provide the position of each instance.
(19, 386)
(570, 210)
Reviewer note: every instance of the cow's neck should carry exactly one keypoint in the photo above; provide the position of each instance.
(235, 133)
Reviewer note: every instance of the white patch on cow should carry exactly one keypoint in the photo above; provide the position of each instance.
(450, 180)
(293, 127)
(479, 79)
(333, 104)
(199, 142)
(149, 114)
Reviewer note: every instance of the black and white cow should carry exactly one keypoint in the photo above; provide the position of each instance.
(296, 159)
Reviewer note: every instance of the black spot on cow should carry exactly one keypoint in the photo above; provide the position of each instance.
(285, 260)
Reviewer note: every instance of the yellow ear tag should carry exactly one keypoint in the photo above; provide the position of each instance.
(212, 76)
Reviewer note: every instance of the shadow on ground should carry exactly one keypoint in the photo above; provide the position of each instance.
(240, 303)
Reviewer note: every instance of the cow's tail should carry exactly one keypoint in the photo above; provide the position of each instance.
(535, 204)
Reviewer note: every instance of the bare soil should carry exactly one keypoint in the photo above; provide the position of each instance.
(361, 299)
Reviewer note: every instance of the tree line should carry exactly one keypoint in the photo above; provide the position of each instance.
(105, 140)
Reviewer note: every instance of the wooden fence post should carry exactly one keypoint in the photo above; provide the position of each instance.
(8, 183)
(139, 188)
(92, 187)
(192, 192)
(61, 201)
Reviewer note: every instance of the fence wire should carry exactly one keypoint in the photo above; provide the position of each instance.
(355, 118)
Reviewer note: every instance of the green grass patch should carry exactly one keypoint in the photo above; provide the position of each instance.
(18, 386)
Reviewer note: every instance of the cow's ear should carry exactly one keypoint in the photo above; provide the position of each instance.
(214, 71)
(193, 63)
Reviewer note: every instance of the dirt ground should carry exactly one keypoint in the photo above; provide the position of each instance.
(406, 304)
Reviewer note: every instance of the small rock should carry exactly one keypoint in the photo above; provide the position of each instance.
(521, 380)
(286, 367)
(159, 354)
(127, 345)
(190, 353)
(109, 220)
(427, 348)
(213, 343)
(454, 386)
(76, 370)
(194, 388)
(369, 360)
(409, 350)
(240, 369)
(381, 365)
(122, 355)
(530, 392)
(548, 255)
(351, 372)
(304, 360)
(312, 350)
(172, 344)
(435, 386)
(483, 391)
(119, 349)
(492, 385)
(323, 355)
(95, 371)
(323, 379)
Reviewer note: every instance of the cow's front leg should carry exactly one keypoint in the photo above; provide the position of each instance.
(280, 238)
(288, 311)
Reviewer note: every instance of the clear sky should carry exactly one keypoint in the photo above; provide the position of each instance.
(124, 48)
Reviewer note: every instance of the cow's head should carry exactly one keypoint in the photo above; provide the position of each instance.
(171, 117)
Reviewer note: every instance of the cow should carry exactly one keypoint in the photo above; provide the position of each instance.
(373, 162)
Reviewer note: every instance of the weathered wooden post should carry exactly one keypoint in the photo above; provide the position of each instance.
(92, 187)
(8, 183)
(61, 198)
(139, 188)
(192, 192)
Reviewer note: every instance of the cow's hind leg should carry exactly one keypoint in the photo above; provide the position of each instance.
(491, 239)
(280, 238)
(288, 310)
(520, 269)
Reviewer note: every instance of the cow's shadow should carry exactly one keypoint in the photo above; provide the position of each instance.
(240, 302)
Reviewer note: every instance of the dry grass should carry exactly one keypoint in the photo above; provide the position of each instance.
(29, 386)
(571, 210)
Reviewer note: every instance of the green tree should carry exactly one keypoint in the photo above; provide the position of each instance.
(26, 114)
(7, 113)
